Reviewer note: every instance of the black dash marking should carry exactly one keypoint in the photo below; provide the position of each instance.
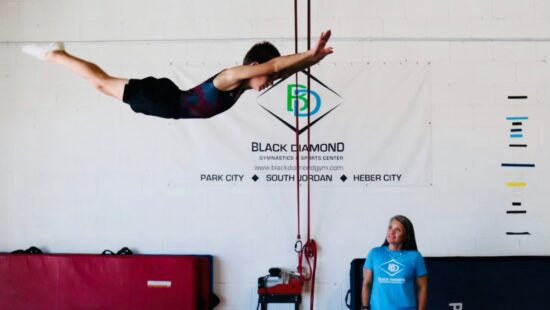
(516, 212)
(516, 123)
(516, 204)
(518, 165)
(516, 130)
(524, 233)
(518, 145)
(517, 97)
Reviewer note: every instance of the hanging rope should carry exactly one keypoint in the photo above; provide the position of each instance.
(298, 246)
(309, 249)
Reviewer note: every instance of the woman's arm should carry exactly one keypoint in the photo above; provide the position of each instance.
(422, 291)
(277, 67)
(367, 287)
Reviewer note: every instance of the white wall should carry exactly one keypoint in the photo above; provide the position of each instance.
(80, 173)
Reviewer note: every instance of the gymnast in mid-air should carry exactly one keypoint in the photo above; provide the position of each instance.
(262, 65)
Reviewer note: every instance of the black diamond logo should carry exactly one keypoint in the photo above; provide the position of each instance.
(288, 100)
(343, 178)
(255, 178)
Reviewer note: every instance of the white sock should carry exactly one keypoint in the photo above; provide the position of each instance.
(41, 50)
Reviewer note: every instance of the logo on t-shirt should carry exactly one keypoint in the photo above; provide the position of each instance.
(392, 267)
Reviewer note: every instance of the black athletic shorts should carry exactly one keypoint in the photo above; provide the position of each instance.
(152, 96)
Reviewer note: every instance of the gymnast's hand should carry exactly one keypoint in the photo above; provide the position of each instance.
(321, 50)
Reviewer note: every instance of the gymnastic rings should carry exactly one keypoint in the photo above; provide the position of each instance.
(298, 246)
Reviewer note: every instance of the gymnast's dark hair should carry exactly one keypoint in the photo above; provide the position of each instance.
(261, 52)
(410, 241)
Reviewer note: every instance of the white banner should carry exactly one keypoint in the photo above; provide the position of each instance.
(369, 124)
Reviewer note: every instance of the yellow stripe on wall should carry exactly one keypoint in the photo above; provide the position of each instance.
(516, 184)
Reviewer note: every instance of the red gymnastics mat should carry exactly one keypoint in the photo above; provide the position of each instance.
(85, 281)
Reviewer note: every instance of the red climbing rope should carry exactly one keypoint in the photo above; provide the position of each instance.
(309, 249)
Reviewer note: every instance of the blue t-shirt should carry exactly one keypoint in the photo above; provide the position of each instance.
(394, 276)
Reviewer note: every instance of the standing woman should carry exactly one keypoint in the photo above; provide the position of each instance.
(394, 274)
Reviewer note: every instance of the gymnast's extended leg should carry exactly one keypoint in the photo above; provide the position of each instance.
(55, 53)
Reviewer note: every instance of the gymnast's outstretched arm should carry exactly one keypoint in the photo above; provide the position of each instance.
(277, 67)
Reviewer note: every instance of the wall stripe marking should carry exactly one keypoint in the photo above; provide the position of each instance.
(517, 97)
(516, 184)
(518, 165)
